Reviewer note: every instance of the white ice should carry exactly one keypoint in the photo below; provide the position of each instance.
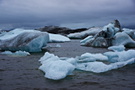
(55, 68)
(58, 38)
(17, 53)
(58, 68)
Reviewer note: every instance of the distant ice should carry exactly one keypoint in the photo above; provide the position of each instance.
(17, 53)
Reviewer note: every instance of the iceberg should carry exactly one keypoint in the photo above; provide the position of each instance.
(123, 38)
(55, 68)
(88, 57)
(117, 48)
(24, 40)
(111, 35)
(17, 53)
(58, 38)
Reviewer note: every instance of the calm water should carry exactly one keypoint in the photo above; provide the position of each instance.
(22, 73)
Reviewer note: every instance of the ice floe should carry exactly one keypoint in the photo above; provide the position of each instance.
(111, 35)
(58, 68)
(17, 53)
(28, 40)
(55, 68)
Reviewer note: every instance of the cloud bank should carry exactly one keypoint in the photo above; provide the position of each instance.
(71, 13)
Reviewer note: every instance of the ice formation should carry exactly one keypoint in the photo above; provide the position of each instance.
(24, 40)
(58, 68)
(17, 53)
(55, 68)
(58, 38)
(111, 35)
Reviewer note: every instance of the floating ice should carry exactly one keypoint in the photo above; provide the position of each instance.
(58, 68)
(17, 53)
(117, 48)
(58, 38)
(120, 56)
(55, 68)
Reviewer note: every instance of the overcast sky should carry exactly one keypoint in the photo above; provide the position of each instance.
(70, 13)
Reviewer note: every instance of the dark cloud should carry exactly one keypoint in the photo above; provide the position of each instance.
(72, 13)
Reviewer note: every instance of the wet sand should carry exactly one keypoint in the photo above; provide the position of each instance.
(22, 73)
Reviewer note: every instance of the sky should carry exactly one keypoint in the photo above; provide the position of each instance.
(67, 13)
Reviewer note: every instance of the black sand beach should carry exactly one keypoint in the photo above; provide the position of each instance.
(22, 73)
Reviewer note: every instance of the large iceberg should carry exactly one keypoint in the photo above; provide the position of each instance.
(58, 68)
(24, 40)
(55, 68)
(111, 35)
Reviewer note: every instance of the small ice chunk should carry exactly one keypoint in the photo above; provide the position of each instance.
(117, 48)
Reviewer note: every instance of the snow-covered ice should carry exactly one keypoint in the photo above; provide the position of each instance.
(17, 53)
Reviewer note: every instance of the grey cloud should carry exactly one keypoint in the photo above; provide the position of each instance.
(20, 13)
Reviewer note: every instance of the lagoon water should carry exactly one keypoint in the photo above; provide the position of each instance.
(22, 73)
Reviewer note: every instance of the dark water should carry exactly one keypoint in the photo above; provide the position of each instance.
(22, 73)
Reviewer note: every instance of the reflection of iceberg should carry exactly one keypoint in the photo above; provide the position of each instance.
(58, 68)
